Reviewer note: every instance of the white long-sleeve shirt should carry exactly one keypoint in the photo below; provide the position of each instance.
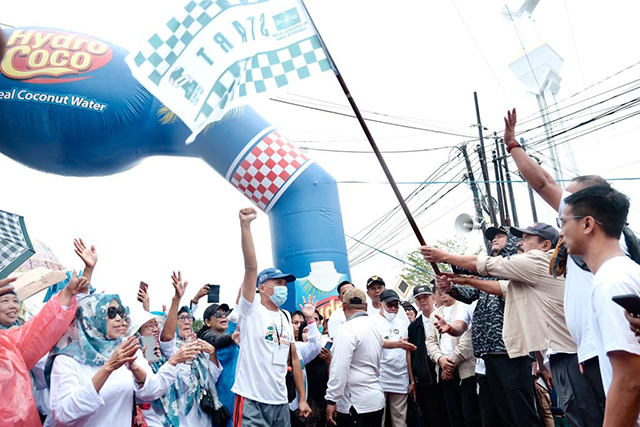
(307, 351)
(355, 367)
(75, 402)
(195, 418)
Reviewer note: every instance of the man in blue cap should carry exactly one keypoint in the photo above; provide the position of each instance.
(267, 343)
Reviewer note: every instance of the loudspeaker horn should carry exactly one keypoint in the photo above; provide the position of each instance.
(465, 224)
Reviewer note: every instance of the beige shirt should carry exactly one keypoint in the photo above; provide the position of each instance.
(534, 303)
(462, 355)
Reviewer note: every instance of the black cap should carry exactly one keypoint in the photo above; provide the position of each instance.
(213, 308)
(375, 279)
(422, 289)
(541, 229)
(389, 295)
(492, 232)
(408, 306)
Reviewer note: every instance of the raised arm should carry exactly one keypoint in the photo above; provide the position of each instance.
(468, 262)
(539, 179)
(249, 253)
(88, 255)
(169, 329)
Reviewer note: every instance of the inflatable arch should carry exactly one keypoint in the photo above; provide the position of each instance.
(69, 106)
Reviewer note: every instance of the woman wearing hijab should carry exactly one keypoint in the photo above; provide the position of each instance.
(200, 376)
(162, 412)
(94, 374)
(21, 348)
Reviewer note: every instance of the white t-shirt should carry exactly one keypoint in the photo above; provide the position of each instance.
(335, 320)
(394, 374)
(464, 313)
(577, 289)
(74, 400)
(617, 276)
(262, 362)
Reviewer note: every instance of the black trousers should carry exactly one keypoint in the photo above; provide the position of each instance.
(432, 405)
(575, 395)
(511, 382)
(354, 419)
(591, 368)
(462, 402)
(488, 405)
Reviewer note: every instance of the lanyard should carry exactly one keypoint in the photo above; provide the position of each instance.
(276, 326)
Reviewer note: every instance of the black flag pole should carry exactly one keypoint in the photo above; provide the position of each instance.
(374, 146)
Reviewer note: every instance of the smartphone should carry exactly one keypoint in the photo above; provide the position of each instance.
(150, 351)
(328, 345)
(630, 302)
(214, 294)
(143, 287)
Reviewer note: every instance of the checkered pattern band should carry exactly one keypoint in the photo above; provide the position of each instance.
(12, 240)
(266, 71)
(267, 169)
(167, 45)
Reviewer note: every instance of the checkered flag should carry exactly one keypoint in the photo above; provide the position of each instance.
(214, 55)
(15, 245)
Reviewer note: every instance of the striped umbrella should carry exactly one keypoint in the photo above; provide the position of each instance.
(15, 245)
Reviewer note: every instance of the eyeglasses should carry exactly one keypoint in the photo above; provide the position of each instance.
(152, 327)
(560, 220)
(112, 312)
(393, 304)
(185, 319)
(220, 314)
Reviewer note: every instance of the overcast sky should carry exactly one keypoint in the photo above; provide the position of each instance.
(415, 59)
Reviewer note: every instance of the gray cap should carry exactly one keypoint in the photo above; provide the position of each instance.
(541, 229)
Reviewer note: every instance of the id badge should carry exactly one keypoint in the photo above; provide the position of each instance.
(280, 355)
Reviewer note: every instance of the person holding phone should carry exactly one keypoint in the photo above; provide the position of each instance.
(592, 221)
(146, 328)
(95, 372)
(634, 323)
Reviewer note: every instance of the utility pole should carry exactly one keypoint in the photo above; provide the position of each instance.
(501, 204)
(534, 213)
(483, 163)
(509, 184)
(503, 191)
(476, 196)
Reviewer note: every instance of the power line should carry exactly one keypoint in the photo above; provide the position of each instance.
(370, 120)
(418, 150)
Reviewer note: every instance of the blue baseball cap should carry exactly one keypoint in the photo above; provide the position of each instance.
(274, 273)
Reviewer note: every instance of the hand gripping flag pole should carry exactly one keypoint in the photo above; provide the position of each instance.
(365, 128)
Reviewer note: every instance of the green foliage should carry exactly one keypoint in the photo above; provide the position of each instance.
(416, 277)
(197, 324)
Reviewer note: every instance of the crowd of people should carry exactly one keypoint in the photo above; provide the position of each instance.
(494, 342)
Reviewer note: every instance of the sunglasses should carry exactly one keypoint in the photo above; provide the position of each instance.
(220, 314)
(112, 312)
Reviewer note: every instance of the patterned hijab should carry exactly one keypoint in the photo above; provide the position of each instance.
(86, 339)
(191, 393)
(166, 406)
(511, 248)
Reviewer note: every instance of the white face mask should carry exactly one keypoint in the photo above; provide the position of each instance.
(389, 316)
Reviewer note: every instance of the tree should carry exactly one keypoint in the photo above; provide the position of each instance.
(424, 273)
(197, 324)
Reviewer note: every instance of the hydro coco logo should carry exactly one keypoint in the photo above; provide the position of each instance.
(45, 56)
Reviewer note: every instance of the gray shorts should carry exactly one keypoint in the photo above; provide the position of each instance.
(249, 413)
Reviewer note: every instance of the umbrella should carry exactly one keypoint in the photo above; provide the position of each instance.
(15, 245)
(44, 257)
